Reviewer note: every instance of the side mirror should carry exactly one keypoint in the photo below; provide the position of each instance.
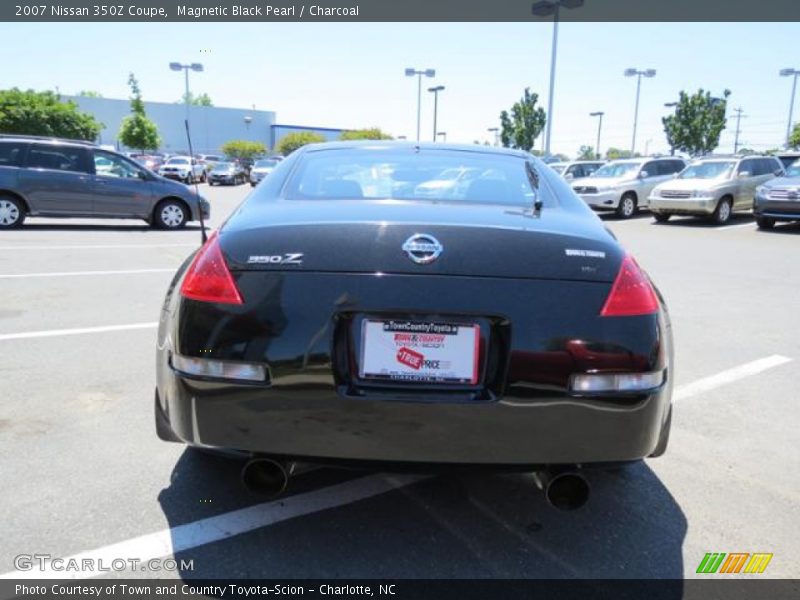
(142, 175)
(643, 174)
(569, 176)
(778, 173)
(744, 174)
(675, 175)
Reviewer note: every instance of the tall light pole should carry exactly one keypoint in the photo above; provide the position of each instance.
(411, 72)
(671, 105)
(545, 8)
(496, 132)
(600, 114)
(738, 110)
(197, 67)
(793, 73)
(638, 75)
(435, 90)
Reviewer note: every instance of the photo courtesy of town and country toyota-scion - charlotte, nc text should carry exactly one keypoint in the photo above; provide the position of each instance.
(265, 11)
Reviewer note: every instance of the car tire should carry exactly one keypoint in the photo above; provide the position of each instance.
(170, 214)
(12, 212)
(765, 222)
(661, 217)
(722, 214)
(252, 184)
(627, 206)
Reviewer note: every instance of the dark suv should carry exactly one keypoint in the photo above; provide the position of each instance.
(46, 177)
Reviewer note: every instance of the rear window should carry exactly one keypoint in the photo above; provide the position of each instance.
(406, 174)
(11, 154)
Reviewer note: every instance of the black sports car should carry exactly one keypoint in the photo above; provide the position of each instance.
(346, 312)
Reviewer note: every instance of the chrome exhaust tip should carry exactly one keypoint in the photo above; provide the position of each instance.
(266, 476)
(564, 490)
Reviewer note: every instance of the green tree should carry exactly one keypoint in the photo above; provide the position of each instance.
(697, 123)
(616, 153)
(586, 153)
(244, 149)
(292, 141)
(372, 133)
(746, 151)
(43, 113)
(521, 127)
(137, 131)
(89, 94)
(794, 137)
(197, 100)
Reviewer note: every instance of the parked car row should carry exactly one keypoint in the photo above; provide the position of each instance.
(714, 187)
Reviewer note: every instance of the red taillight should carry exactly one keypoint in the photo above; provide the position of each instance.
(208, 278)
(632, 294)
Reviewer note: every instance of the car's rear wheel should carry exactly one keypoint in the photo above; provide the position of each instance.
(12, 212)
(723, 212)
(170, 214)
(765, 222)
(627, 206)
(661, 217)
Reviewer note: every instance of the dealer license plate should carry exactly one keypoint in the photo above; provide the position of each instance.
(420, 351)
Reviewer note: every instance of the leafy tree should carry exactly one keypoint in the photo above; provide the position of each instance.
(522, 126)
(746, 151)
(794, 137)
(560, 157)
(243, 149)
(89, 94)
(137, 131)
(372, 133)
(697, 123)
(292, 141)
(197, 100)
(43, 113)
(586, 153)
(616, 153)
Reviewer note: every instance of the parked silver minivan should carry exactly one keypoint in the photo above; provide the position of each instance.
(625, 185)
(714, 187)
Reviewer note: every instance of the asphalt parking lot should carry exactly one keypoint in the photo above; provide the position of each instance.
(84, 474)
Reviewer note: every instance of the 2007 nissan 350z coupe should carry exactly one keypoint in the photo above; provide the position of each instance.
(419, 306)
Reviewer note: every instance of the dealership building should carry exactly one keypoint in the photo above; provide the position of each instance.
(210, 126)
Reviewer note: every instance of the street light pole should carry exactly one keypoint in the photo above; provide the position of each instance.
(496, 132)
(546, 8)
(599, 127)
(411, 72)
(197, 67)
(671, 105)
(435, 91)
(638, 74)
(793, 73)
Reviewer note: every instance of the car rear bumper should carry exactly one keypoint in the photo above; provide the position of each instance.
(322, 425)
(688, 206)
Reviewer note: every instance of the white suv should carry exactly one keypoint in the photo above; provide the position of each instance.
(625, 185)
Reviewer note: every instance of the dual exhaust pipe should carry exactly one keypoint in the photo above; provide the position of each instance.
(564, 489)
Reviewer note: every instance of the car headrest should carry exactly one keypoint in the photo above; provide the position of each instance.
(483, 190)
(341, 188)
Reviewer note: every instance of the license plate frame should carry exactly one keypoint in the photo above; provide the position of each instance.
(437, 352)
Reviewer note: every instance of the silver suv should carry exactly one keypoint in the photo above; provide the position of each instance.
(625, 185)
(714, 187)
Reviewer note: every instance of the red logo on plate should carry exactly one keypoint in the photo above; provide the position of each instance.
(410, 358)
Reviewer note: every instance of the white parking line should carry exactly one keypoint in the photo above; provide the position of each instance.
(81, 273)
(97, 246)
(213, 529)
(57, 332)
(707, 384)
(726, 227)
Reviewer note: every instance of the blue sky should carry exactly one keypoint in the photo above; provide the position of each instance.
(351, 75)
